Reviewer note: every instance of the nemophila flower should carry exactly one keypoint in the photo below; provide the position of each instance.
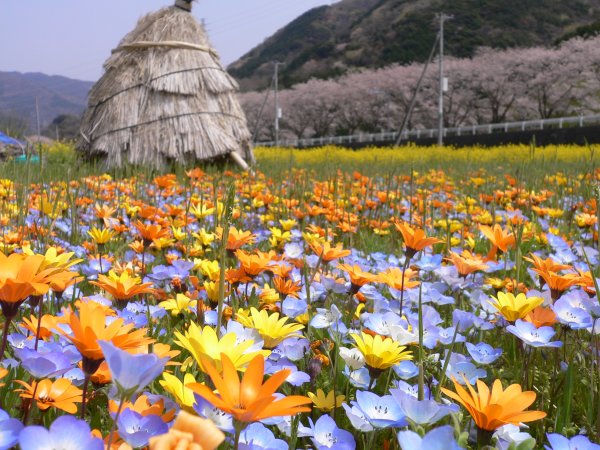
(122, 287)
(65, 433)
(292, 348)
(327, 435)
(515, 307)
(579, 442)
(60, 394)
(203, 344)
(131, 373)
(271, 327)
(9, 430)
(409, 389)
(530, 335)
(571, 314)
(483, 353)
(421, 412)
(380, 353)
(498, 407)
(221, 419)
(372, 411)
(509, 435)
(328, 318)
(137, 429)
(326, 402)
(258, 437)
(43, 364)
(462, 369)
(414, 239)
(179, 305)
(441, 438)
(353, 357)
(248, 400)
(188, 433)
(327, 253)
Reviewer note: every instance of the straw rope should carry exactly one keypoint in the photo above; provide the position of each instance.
(141, 45)
(176, 116)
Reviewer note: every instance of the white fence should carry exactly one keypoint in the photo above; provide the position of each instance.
(391, 136)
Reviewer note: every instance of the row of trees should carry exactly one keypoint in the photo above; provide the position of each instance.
(494, 86)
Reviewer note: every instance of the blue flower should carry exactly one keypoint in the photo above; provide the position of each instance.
(43, 365)
(137, 430)
(131, 373)
(327, 435)
(258, 437)
(441, 438)
(9, 430)
(421, 412)
(221, 419)
(579, 442)
(65, 433)
(530, 335)
(380, 412)
(483, 353)
(571, 315)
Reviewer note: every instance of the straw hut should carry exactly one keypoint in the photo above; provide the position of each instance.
(165, 97)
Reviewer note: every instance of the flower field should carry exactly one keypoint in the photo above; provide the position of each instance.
(405, 298)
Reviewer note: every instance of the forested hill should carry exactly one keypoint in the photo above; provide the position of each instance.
(329, 40)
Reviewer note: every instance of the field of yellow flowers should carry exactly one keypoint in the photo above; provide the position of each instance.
(410, 298)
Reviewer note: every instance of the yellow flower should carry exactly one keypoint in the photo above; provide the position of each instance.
(201, 211)
(204, 237)
(326, 402)
(102, 236)
(513, 308)
(271, 328)
(212, 290)
(279, 237)
(204, 343)
(178, 233)
(53, 260)
(183, 396)
(287, 225)
(178, 305)
(380, 353)
(163, 242)
(208, 268)
(268, 295)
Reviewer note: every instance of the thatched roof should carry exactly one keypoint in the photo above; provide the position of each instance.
(164, 97)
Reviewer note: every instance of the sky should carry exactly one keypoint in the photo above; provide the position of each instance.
(74, 37)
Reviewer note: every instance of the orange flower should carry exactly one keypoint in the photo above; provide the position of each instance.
(358, 278)
(557, 283)
(541, 317)
(237, 238)
(189, 433)
(466, 263)
(150, 232)
(501, 239)
(253, 264)
(415, 240)
(144, 406)
(31, 325)
(491, 410)
(328, 253)
(248, 400)
(59, 394)
(90, 327)
(393, 277)
(287, 287)
(122, 287)
(60, 281)
(19, 278)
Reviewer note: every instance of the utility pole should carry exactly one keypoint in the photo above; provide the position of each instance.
(277, 109)
(443, 81)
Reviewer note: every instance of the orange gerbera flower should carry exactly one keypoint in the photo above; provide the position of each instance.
(287, 287)
(328, 253)
(499, 238)
(150, 232)
(395, 278)
(545, 265)
(59, 394)
(145, 407)
(31, 325)
(19, 278)
(466, 263)
(237, 238)
(415, 240)
(358, 277)
(558, 283)
(248, 400)
(541, 317)
(189, 432)
(491, 410)
(122, 287)
(60, 281)
(254, 263)
(90, 327)
(586, 281)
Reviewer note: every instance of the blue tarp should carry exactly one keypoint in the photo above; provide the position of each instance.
(7, 140)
